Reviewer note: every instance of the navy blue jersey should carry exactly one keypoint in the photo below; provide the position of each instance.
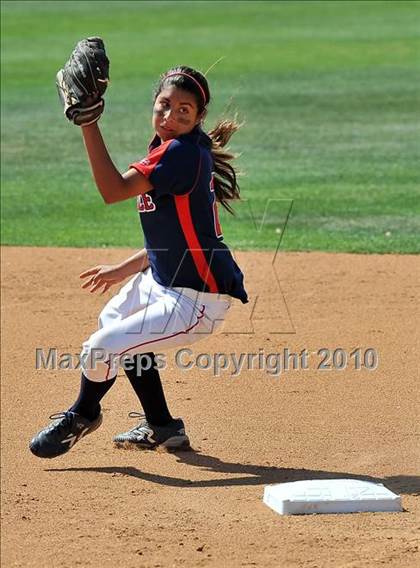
(179, 218)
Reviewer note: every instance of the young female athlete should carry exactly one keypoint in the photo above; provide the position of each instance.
(182, 281)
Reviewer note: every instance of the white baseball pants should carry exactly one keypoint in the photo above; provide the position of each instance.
(145, 316)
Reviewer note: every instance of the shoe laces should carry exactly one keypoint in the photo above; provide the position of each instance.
(143, 426)
(136, 415)
(57, 418)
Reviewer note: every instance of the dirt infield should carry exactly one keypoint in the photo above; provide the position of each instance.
(99, 506)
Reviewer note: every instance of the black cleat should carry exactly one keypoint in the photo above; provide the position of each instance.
(146, 436)
(61, 435)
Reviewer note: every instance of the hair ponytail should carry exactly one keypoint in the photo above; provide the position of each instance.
(225, 179)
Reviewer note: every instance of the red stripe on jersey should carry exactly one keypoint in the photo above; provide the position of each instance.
(148, 164)
(182, 203)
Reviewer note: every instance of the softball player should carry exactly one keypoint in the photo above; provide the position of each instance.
(181, 283)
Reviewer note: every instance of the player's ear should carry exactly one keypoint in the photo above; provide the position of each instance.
(201, 117)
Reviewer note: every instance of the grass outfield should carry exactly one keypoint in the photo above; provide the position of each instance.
(329, 92)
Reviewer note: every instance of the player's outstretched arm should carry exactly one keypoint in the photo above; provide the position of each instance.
(112, 185)
(104, 276)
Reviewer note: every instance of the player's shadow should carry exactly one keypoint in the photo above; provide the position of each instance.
(247, 474)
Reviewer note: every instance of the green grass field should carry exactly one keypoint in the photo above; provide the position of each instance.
(330, 92)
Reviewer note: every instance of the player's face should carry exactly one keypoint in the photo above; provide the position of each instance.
(175, 112)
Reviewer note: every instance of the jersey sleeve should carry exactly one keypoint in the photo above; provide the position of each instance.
(172, 168)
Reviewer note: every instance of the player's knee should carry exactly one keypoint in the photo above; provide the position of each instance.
(99, 362)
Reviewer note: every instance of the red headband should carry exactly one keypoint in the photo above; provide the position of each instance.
(192, 79)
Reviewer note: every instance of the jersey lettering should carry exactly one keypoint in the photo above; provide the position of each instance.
(145, 203)
(217, 226)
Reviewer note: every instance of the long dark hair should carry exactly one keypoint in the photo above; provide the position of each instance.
(225, 179)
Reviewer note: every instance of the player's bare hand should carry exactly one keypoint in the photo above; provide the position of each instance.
(102, 276)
